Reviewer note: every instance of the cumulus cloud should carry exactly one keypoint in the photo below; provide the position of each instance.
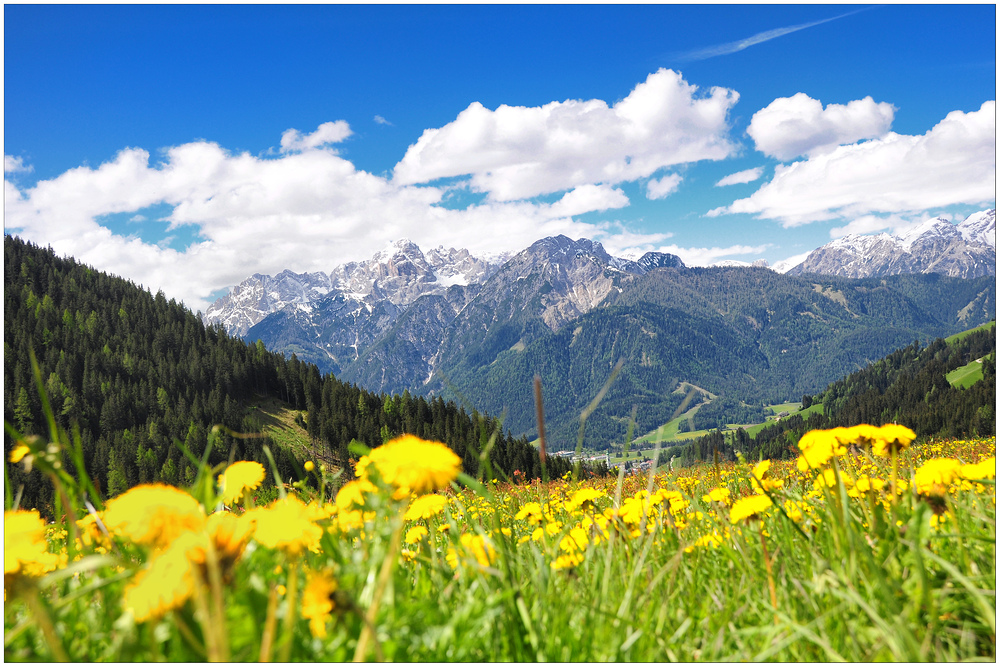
(522, 152)
(15, 165)
(660, 188)
(745, 176)
(304, 211)
(381, 121)
(327, 133)
(799, 125)
(589, 198)
(953, 163)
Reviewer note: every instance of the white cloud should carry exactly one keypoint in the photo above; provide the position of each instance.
(698, 256)
(327, 133)
(745, 176)
(869, 224)
(381, 121)
(521, 152)
(14, 165)
(589, 198)
(304, 211)
(759, 38)
(953, 163)
(799, 125)
(658, 189)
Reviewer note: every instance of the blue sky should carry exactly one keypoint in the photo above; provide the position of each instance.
(186, 147)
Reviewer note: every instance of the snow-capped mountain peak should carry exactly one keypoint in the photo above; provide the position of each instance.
(966, 250)
(980, 227)
(935, 228)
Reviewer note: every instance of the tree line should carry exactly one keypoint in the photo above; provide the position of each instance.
(135, 372)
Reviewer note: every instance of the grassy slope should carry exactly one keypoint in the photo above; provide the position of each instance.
(959, 336)
(967, 375)
(280, 426)
(671, 436)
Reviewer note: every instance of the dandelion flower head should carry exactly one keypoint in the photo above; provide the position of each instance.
(818, 447)
(285, 524)
(934, 477)
(892, 437)
(168, 581)
(749, 507)
(153, 514)
(412, 464)
(239, 478)
(317, 602)
(24, 547)
(426, 507)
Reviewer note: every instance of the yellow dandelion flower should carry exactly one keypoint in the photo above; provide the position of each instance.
(829, 480)
(90, 532)
(717, 495)
(818, 447)
(25, 550)
(865, 484)
(575, 540)
(285, 525)
(711, 540)
(415, 534)
(229, 534)
(153, 514)
(794, 510)
(862, 434)
(766, 483)
(892, 437)
(412, 464)
(239, 478)
(567, 560)
(748, 508)
(352, 495)
(426, 507)
(934, 476)
(317, 602)
(582, 499)
(18, 453)
(168, 581)
(530, 511)
(475, 545)
(986, 469)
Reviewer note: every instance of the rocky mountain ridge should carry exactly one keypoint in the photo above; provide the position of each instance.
(399, 274)
(447, 323)
(965, 250)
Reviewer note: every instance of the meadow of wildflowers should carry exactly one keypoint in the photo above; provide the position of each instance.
(868, 546)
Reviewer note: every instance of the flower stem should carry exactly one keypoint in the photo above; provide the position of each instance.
(770, 575)
(270, 623)
(383, 578)
(288, 627)
(45, 624)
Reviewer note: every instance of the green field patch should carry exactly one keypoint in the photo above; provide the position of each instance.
(967, 375)
(963, 334)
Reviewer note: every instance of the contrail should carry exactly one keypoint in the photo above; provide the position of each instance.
(767, 35)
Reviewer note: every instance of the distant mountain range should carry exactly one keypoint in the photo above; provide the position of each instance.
(445, 322)
(966, 250)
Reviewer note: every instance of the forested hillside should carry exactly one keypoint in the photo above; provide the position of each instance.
(907, 387)
(749, 335)
(134, 372)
